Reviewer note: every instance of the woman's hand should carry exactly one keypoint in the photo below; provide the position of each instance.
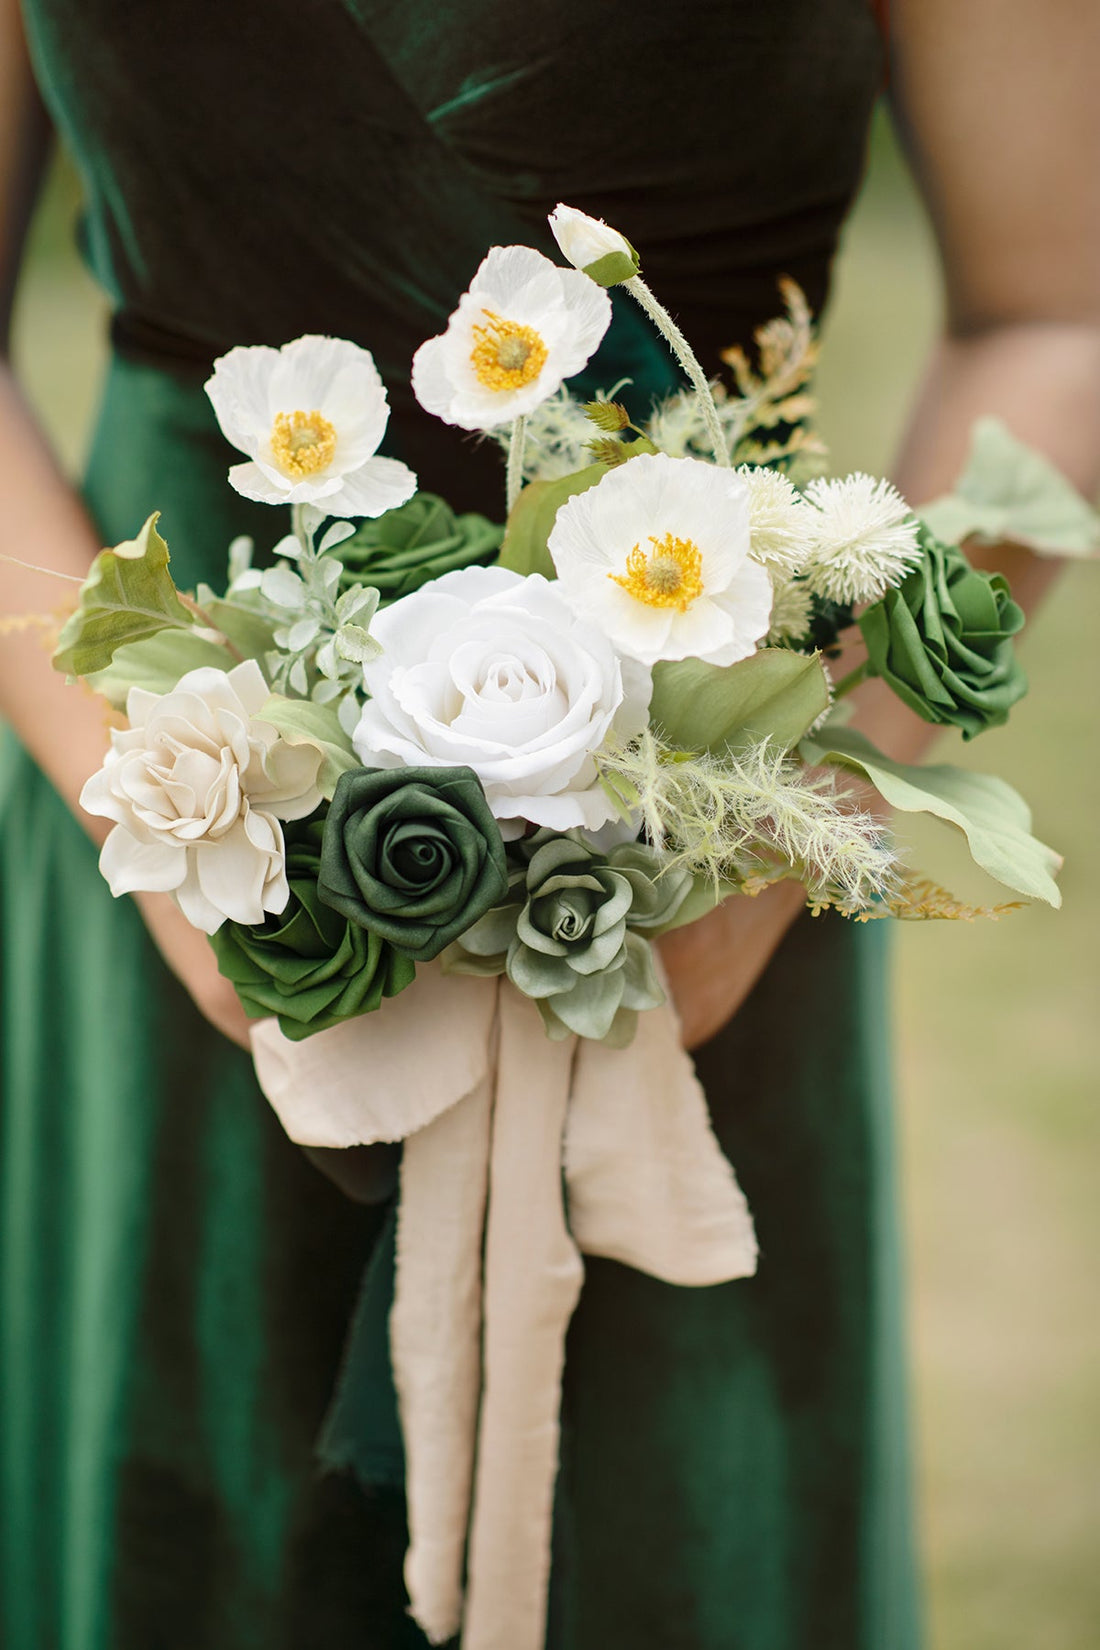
(190, 956)
(713, 964)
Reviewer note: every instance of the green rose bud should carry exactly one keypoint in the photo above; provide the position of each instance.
(413, 855)
(942, 639)
(308, 965)
(421, 540)
(571, 935)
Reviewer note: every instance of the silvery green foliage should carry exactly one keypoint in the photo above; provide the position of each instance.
(323, 637)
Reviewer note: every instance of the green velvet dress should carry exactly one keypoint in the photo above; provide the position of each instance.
(175, 1278)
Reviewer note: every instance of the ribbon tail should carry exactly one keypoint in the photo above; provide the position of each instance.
(435, 1336)
(648, 1183)
(533, 1275)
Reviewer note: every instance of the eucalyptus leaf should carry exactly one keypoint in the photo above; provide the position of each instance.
(1009, 492)
(994, 818)
(305, 722)
(533, 515)
(127, 596)
(775, 695)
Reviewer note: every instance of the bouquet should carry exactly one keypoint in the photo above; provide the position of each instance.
(501, 762)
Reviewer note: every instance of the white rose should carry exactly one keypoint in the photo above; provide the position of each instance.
(492, 671)
(586, 242)
(196, 787)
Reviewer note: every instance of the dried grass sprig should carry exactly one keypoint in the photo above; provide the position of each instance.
(733, 818)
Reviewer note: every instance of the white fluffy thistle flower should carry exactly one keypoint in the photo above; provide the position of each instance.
(782, 525)
(677, 426)
(864, 539)
(792, 605)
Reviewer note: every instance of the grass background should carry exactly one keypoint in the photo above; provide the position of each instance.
(998, 1050)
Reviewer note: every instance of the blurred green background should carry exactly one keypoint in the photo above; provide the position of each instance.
(998, 1050)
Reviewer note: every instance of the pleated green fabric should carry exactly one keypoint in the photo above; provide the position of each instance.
(176, 1280)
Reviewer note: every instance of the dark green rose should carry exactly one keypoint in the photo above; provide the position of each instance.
(412, 854)
(309, 965)
(421, 540)
(943, 641)
(571, 935)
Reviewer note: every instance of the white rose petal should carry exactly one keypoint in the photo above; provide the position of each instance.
(196, 787)
(657, 556)
(523, 328)
(310, 417)
(486, 669)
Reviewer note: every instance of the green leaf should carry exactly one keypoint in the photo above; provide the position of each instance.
(127, 596)
(994, 818)
(157, 663)
(775, 694)
(304, 722)
(1010, 492)
(524, 548)
(251, 633)
(613, 268)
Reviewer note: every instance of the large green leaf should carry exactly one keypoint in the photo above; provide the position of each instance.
(157, 663)
(301, 722)
(994, 818)
(524, 548)
(773, 695)
(1010, 492)
(127, 596)
(250, 632)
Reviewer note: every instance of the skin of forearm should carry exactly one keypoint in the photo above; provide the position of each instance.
(1043, 379)
(43, 524)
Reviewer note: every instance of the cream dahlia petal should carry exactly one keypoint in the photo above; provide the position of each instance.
(129, 866)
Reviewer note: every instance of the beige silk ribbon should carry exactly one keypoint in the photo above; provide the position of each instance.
(520, 1154)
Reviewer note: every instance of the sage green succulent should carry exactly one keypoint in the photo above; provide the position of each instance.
(572, 933)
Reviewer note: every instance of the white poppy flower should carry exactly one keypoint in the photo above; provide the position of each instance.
(524, 326)
(197, 786)
(492, 671)
(864, 539)
(310, 416)
(592, 245)
(657, 555)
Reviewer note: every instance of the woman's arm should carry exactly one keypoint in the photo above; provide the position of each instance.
(997, 105)
(42, 522)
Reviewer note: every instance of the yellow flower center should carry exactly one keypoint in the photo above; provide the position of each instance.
(506, 355)
(302, 443)
(669, 575)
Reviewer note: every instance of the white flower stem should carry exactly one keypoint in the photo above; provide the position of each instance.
(514, 478)
(687, 358)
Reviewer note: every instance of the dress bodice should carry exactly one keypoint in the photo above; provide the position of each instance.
(341, 166)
